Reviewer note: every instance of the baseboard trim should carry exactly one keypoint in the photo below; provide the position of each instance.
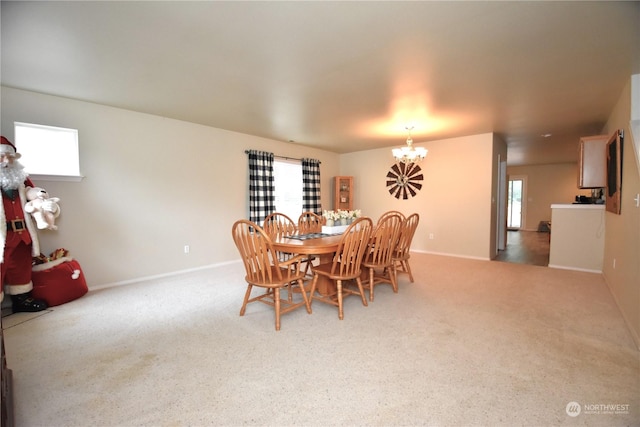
(220, 264)
(634, 333)
(564, 267)
(161, 276)
(452, 255)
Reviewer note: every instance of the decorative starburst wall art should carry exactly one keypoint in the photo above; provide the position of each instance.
(404, 180)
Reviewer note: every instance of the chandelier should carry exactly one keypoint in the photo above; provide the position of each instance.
(409, 154)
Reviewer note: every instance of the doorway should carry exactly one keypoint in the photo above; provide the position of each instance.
(523, 246)
(516, 202)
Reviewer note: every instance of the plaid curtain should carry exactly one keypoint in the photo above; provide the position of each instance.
(311, 186)
(262, 200)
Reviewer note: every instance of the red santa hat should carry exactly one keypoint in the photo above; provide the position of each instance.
(7, 148)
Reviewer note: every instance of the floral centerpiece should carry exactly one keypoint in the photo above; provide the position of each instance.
(330, 217)
(341, 217)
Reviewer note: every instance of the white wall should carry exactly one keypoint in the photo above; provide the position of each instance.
(622, 238)
(455, 202)
(152, 186)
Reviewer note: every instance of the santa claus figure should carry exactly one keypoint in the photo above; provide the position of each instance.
(18, 235)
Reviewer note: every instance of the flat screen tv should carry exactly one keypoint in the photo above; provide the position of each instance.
(614, 171)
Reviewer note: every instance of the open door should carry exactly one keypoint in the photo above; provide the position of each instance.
(501, 228)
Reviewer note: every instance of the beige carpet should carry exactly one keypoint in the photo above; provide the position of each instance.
(469, 343)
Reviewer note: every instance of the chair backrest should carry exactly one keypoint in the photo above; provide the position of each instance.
(309, 222)
(384, 239)
(347, 262)
(382, 217)
(408, 230)
(279, 224)
(257, 253)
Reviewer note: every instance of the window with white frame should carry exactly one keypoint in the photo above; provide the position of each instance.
(287, 180)
(47, 150)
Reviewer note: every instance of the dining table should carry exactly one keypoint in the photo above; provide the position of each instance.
(321, 245)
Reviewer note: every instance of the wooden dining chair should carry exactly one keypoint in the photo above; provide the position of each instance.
(401, 255)
(309, 222)
(382, 217)
(378, 262)
(279, 224)
(265, 270)
(345, 266)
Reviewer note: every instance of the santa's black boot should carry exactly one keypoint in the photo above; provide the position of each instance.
(26, 303)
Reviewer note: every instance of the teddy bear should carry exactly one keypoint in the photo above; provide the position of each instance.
(43, 208)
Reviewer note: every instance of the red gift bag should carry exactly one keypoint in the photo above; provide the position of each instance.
(58, 281)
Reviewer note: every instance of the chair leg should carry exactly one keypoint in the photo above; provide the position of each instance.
(304, 295)
(340, 311)
(408, 269)
(314, 282)
(291, 291)
(402, 265)
(307, 268)
(276, 301)
(371, 274)
(362, 295)
(393, 275)
(246, 300)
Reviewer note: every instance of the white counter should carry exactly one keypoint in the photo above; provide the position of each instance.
(579, 206)
(577, 237)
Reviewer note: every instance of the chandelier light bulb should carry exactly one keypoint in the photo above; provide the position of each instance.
(409, 153)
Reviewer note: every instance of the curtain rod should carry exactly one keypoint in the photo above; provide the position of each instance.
(279, 157)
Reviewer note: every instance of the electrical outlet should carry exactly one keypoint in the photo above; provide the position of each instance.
(431, 236)
(614, 263)
(186, 249)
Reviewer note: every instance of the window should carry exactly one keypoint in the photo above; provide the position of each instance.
(48, 151)
(287, 177)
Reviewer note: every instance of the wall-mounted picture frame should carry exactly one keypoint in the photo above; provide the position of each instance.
(614, 171)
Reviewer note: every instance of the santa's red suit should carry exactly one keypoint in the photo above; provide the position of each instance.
(19, 240)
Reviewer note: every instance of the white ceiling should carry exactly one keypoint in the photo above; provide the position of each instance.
(342, 76)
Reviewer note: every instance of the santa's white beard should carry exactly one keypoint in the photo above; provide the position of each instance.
(12, 175)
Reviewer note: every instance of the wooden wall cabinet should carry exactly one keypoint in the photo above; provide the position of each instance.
(343, 193)
(592, 163)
